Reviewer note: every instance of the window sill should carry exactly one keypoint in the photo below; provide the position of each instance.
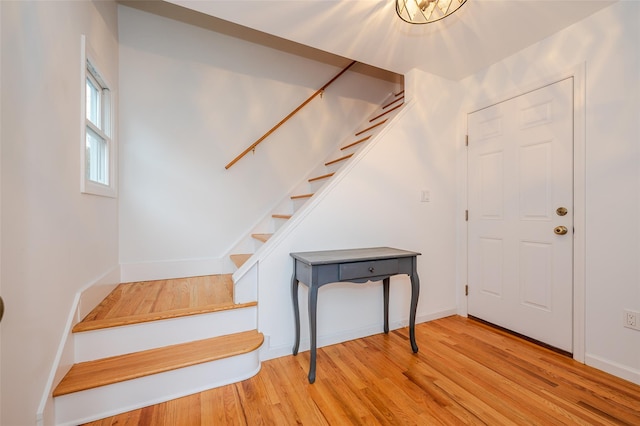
(94, 188)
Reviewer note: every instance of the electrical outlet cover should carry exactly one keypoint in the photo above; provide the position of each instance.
(630, 319)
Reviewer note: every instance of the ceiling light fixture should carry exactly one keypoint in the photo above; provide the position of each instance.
(426, 11)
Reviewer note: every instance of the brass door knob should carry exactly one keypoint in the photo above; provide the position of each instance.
(560, 230)
(561, 211)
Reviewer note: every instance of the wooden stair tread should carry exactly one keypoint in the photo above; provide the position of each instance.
(93, 374)
(281, 216)
(156, 296)
(389, 111)
(393, 102)
(239, 259)
(337, 160)
(261, 237)
(356, 142)
(371, 127)
(156, 316)
(137, 302)
(328, 175)
(297, 197)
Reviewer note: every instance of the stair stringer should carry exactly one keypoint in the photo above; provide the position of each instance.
(247, 284)
(265, 224)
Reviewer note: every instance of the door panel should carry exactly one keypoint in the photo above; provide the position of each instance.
(520, 172)
(491, 257)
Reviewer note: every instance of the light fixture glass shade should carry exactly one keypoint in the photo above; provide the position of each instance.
(425, 11)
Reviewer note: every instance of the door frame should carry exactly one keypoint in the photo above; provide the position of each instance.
(578, 73)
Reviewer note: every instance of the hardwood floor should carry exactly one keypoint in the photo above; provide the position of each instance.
(464, 373)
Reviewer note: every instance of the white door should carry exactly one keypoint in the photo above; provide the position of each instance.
(520, 175)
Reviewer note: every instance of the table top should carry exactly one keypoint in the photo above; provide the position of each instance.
(350, 255)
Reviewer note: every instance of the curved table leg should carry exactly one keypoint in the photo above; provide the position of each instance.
(313, 303)
(385, 294)
(415, 292)
(296, 312)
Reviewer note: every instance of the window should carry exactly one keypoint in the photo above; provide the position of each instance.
(98, 147)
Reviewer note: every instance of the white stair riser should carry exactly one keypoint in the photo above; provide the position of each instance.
(298, 202)
(245, 288)
(106, 401)
(257, 244)
(91, 345)
(317, 184)
(246, 245)
(278, 223)
(332, 168)
(353, 149)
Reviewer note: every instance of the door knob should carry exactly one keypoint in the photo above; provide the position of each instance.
(560, 230)
(561, 211)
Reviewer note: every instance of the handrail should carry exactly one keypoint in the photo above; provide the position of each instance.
(274, 128)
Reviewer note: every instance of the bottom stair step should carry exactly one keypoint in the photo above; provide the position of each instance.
(92, 374)
(97, 389)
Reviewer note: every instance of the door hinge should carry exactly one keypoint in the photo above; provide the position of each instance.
(466, 215)
(466, 140)
(466, 290)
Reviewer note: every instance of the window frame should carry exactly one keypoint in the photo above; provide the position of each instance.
(91, 69)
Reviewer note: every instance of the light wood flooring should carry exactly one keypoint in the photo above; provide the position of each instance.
(465, 373)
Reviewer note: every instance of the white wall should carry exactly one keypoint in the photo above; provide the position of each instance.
(377, 203)
(194, 98)
(55, 240)
(609, 44)
(1, 210)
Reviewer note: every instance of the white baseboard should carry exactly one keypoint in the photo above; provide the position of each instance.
(267, 352)
(622, 371)
(148, 271)
(95, 292)
(66, 349)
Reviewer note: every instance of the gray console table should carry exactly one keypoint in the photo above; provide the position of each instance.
(317, 268)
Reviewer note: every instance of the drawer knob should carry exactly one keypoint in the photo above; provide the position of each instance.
(371, 269)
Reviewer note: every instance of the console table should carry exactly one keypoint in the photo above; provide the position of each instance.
(317, 268)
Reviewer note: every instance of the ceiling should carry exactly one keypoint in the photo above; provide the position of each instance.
(481, 33)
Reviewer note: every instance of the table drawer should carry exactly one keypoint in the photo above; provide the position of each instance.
(372, 268)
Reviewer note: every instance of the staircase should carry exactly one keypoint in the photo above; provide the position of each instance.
(150, 342)
(155, 341)
(244, 254)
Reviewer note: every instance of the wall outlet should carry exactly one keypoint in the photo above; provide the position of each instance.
(631, 319)
(425, 196)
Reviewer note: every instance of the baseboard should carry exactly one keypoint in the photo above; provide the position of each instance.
(95, 292)
(65, 354)
(623, 371)
(267, 352)
(148, 271)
